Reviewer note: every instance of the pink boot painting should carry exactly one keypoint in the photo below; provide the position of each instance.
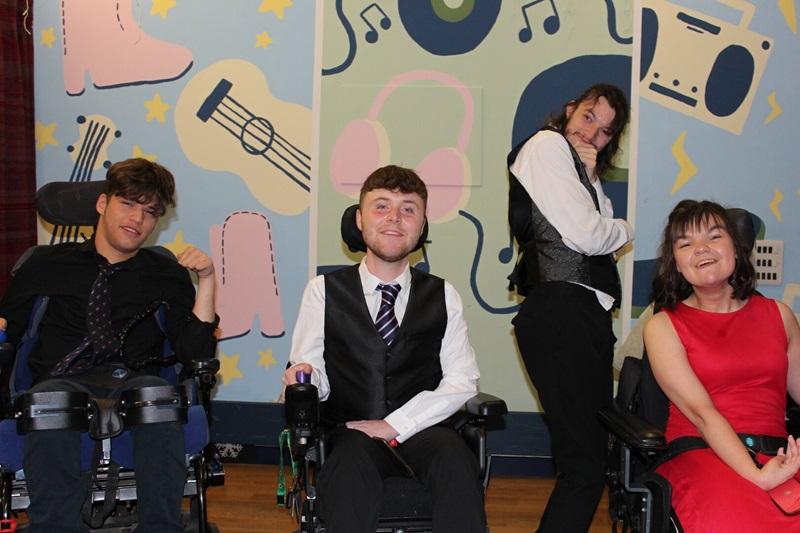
(103, 39)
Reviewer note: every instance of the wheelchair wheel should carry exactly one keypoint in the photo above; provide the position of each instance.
(309, 521)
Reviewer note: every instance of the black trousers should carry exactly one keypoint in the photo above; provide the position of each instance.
(567, 344)
(351, 480)
(58, 488)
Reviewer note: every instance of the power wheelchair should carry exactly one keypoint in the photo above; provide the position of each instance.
(111, 506)
(406, 504)
(639, 498)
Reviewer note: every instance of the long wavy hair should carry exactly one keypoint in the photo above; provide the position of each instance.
(616, 99)
(669, 285)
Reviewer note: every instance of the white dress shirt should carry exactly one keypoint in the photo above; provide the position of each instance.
(457, 358)
(545, 168)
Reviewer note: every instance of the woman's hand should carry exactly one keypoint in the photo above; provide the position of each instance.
(781, 467)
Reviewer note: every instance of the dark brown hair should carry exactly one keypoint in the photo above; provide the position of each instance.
(142, 181)
(394, 178)
(669, 285)
(618, 102)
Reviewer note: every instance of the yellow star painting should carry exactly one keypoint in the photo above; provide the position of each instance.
(275, 6)
(162, 7)
(156, 109)
(178, 245)
(47, 37)
(138, 152)
(229, 367)
(266, 359)
(263, 40)
(45, 135)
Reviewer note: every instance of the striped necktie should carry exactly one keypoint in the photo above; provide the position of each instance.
(386, 321)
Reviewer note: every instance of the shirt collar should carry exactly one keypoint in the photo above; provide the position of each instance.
(88, 247)
(369, 282)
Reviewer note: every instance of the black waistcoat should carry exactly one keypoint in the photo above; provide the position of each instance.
(543, 254)
(368, 379)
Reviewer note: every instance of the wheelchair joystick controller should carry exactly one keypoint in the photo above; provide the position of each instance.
(302, 412)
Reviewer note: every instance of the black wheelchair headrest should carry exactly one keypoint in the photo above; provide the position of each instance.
(744, 225)
(355, 241)
(69, 203)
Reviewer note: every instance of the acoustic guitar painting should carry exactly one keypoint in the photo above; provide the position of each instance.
(227, 120)
(88, 153)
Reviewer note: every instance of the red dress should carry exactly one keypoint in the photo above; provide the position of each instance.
(740, 358)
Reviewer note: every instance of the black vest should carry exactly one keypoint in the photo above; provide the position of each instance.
(543, 254)
(369, 380)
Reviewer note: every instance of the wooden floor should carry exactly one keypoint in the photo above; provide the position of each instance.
(246, 503)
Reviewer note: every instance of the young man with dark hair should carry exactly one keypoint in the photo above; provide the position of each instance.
(387, 346)
(564, 224)
(72, 356)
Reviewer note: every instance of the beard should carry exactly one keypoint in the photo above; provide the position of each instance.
(390, 255)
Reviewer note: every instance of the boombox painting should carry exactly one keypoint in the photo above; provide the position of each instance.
(703, 67)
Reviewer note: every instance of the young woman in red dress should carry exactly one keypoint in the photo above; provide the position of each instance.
(725, 357)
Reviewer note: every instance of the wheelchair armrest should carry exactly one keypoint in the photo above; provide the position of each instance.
(486, 405)
(634, 431)
(204, 366)
(204, 371)
(204, 374)
(6, 355)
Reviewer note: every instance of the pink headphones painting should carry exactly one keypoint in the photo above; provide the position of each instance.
(364, 146)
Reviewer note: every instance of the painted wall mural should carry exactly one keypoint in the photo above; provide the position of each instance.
(364, 145)
(223, 94)
(728, 61)
(105, 41)
(260, 138)
(719, 86)
(447, 88)
(220, 93)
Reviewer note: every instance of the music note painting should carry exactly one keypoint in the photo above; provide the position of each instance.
(385, 22)
(551, 24)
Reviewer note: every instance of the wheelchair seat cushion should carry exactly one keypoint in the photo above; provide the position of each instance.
(405, 498)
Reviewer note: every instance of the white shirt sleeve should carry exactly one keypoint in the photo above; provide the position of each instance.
(460, 377)
(308, 338)
(545, 168)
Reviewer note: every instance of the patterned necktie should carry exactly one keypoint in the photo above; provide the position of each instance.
(101, 335)
(386, 321)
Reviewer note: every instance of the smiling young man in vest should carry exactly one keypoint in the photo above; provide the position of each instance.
(387, 346)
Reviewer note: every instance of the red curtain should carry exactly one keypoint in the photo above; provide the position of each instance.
(17, 150)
